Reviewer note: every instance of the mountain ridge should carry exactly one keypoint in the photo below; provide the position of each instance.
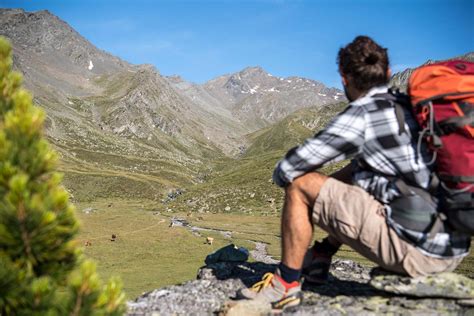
(104, 105)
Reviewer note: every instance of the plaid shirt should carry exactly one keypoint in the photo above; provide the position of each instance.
(368, 130)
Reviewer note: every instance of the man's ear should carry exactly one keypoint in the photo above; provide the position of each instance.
(344, 80)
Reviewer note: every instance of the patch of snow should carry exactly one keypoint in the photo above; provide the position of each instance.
(70, 102)
(336, 97)
(322, 94)
(313, 85)
(272, 90)
(288, 81)
(270, 75)
(281, 79)
(253, 91)
(91, 65)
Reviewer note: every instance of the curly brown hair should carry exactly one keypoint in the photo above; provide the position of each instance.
(365, 62)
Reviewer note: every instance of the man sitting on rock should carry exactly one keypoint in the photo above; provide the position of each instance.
(353, 205)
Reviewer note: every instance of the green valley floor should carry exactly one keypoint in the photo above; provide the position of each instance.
(151, 248)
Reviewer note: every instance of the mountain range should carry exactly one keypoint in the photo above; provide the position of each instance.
(125, 130)
(114, 122)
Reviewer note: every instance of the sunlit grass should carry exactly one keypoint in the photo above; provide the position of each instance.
(148, 254)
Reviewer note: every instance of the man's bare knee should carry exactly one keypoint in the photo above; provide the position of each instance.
(307, 186)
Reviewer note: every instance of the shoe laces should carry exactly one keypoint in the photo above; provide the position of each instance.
(266, 280)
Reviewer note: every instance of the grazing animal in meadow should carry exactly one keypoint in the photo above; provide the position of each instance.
(209, 240)
(114, 237)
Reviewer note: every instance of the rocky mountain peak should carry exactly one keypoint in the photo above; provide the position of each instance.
(175, 79)
(253, 71)
(43, 36)
(248, 81)
(259, 98)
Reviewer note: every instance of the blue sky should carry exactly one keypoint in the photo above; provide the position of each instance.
(200, 40)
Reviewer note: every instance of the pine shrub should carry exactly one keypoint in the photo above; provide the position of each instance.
(42, 269)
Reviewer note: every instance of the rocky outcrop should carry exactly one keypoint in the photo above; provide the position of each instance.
(347, 293)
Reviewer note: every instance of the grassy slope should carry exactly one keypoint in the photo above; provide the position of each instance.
(98, 163)
(148, 254)
(244, 185)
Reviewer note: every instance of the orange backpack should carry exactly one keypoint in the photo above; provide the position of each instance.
(442, 98)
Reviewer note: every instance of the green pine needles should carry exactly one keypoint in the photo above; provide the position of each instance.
(42, 271)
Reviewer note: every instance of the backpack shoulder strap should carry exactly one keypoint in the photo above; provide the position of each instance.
(399, 101)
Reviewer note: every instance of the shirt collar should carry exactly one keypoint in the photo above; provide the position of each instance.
(373, 91)
(377, 90)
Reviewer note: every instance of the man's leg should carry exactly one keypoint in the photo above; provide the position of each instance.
(343, 175)
(283, 288)
(296, 223)
(318, 258)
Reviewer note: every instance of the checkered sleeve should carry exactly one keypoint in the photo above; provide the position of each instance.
(341, 139)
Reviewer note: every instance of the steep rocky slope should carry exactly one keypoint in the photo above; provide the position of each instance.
(259, 99)
(112, 122)
(244, 185)
(50, 53)
(220, 126)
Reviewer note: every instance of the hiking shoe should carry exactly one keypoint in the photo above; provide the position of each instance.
(316, 268)
(273, 290)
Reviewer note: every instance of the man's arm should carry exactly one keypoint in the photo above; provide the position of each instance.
(341, 139)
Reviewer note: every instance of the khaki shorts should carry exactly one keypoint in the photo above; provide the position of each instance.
(355, 218)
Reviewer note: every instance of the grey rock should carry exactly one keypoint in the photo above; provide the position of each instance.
(450, 285)
(347, 293)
